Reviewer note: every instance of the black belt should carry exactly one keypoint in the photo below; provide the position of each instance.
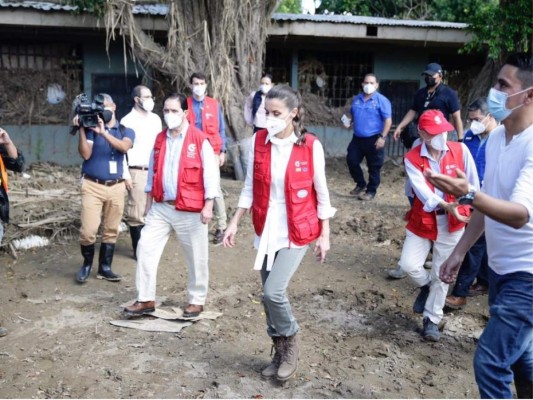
(136, 167)
(440, 211)
(110, 182)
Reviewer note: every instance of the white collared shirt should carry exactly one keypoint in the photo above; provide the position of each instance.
(171, 167)
(146, 127)
(509, 176)
(428, 197)
(275, 234)
(259, 120)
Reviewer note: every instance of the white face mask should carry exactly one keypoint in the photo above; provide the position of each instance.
(369, 88)
(199, 90)
(478, 127)
(148, 104)
(265, 88)
(438, 142)
(173, 121)
(275, 125)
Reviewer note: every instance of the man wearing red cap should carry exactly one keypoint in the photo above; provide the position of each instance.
(435, 217)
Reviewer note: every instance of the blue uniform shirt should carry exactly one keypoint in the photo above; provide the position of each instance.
(97, 166)
(476, 145)
(369, 116)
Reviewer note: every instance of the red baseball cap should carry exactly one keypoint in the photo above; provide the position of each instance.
(434, 123)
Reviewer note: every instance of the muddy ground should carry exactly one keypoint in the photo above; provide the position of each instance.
(359, 337)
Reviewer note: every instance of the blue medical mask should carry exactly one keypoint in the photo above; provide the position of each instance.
(497, 100)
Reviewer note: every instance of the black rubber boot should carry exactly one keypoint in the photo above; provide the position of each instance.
(135, 233)
(104, 263)
(88, 254)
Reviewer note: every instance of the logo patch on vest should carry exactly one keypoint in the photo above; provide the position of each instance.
(302, 194)
(191, 151)
(450, 169)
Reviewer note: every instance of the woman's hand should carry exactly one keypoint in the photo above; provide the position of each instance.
(229, 235)
(321, 248)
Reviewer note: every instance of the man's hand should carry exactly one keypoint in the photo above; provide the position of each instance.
(380, 143)
(207, 212)
(129, 184)
(221, 159)
(100, 128)
(4, 137)
(148, 205)
(450, 268)
(455, 186)
(397, 133)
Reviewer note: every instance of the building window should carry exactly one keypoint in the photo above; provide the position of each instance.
(28, 71)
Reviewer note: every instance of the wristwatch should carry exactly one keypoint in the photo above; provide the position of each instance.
(468, 198)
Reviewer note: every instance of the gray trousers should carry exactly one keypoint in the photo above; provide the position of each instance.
(279, 318)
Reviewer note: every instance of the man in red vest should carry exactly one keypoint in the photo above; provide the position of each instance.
(435, 217)
(183, 180)
(206, 114)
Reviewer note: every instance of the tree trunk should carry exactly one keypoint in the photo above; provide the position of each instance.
(224, 39)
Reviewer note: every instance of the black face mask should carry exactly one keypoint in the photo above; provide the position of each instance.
(107, 115)
(430, 81)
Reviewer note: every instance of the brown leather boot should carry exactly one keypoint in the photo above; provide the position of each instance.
(272, 369)
(289, 358)
(455, 303)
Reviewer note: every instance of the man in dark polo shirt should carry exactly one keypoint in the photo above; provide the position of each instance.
(435, 96)
(103, 189)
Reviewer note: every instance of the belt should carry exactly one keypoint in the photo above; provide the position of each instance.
(110, 182)
(137, 167)
(171, 202)
(440, 211)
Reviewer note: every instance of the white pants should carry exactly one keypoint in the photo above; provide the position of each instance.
(414, 253)
(193, 237)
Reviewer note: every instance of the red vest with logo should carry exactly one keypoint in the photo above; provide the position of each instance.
(190, 183)
(420, 222)
(300, 195)
(210, 125)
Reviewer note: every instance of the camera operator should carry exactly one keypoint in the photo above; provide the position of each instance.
(10, 158)
(103, 188)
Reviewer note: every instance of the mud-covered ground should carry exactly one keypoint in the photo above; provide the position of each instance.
(359, 337)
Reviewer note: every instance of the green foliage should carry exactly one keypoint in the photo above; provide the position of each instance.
(502, 28)
(96, 7)
(290, 7)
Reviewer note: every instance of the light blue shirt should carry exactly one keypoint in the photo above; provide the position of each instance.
(197, 106)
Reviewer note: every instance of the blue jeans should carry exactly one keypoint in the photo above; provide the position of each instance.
(505, 349)
(474, 265)
(358, 149)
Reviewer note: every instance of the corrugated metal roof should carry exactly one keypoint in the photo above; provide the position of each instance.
(358, 20)
(162, 10)
(144, 9)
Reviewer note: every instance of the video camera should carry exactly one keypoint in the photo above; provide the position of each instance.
(87, 112)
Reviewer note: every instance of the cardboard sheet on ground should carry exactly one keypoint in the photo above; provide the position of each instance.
(166, 320)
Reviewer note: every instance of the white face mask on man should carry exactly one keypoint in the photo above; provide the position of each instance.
(438, 142)
(148, 104)
(369, 88)
(199, 90)
(173, 121)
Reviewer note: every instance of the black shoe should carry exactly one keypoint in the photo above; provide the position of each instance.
(88, 254)
(104, 264)
(135, 233)
(219, 237)
(357, 190)
(420, 302)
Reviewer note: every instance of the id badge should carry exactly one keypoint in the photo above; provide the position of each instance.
(112, 167)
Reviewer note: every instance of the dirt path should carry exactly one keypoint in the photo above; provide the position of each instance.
(359, 337)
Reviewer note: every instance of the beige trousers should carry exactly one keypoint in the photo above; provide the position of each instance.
(98, 200)
(136, 198)
(219, 206)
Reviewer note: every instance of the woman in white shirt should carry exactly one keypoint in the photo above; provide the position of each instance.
(286, 190)
(254, 106)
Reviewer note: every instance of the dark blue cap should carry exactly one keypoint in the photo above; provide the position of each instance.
(432, 69)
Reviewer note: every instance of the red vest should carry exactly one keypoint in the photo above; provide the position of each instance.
(190, 183)
(420, 222)
(210, 125)
(300, 195)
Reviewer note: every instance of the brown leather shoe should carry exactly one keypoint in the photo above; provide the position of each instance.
(192, 310)
(455, 303)
(140, 308)
(477, 290)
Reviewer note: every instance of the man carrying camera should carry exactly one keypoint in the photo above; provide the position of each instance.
(10, 158)
(102, 148)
